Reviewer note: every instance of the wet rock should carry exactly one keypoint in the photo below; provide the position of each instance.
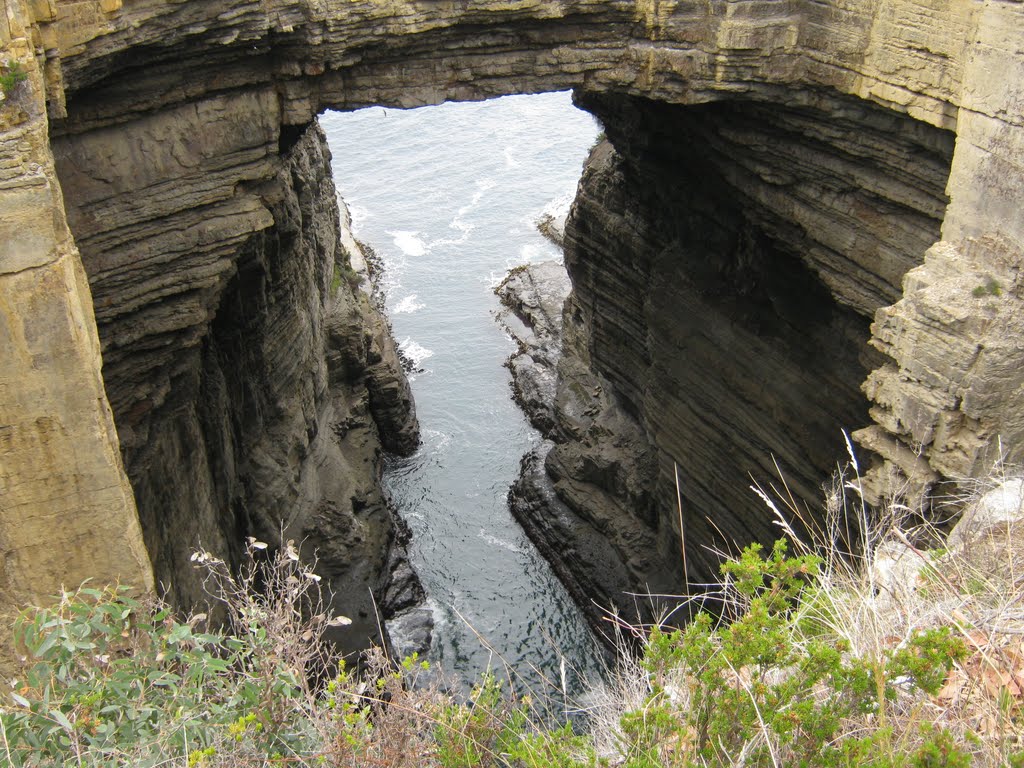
(410, 632)
(534, 294)
(577, 494)
(552, 226)
(584, 559)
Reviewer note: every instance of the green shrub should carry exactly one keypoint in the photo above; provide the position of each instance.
(760, 688)
(12, 76)
(108, 679)
(111, 680)
(990, 287)
(109, 676)
(343, 272)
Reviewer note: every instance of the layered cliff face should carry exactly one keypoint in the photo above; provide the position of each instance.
(254, 390)
(819, 135)
(66, 506)
(726, 260)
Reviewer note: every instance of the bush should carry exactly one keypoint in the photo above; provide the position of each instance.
(761, 689)
(12, 76)
(112, 680)
(344, 272)
(108, 677)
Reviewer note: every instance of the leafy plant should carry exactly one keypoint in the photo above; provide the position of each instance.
(107, 675)
(109, 679)
(12, 76)
(760, 688)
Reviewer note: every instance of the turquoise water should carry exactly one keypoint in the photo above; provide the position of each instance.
(449, 196)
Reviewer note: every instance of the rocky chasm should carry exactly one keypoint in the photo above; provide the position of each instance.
(805, 218)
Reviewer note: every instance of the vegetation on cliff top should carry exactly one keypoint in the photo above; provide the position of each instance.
(894, 657)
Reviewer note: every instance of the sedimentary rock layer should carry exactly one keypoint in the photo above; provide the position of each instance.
(66, 507)
(251, 383)
(725, 261)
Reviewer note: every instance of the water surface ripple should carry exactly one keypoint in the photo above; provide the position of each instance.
(448, 196)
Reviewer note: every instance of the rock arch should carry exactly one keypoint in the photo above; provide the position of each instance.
(186, 178)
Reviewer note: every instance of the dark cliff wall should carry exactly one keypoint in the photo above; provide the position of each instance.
(269, 423)
(726, 260)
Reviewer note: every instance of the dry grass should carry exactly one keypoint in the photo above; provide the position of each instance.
(877, 591)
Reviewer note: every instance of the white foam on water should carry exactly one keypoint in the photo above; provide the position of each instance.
(510, 158)
(459, 222)
(407, 306)
(436, 439)
(408, 243)
(494, 279)
(390, 278)
(415, 351)
(529, 253)
(496, 542)
(557, 207)
(482, 186)
(357, 213)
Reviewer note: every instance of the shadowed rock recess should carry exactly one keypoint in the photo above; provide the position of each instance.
(798, 204)
(726, 260)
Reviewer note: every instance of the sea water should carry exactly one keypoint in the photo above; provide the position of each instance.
(449, 197)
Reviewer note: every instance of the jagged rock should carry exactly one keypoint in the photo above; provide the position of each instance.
(552, 226)
(592, 566)
(534, 294)
(992, 516)
(953, 347)
(269, 422)
(988, 534)
(576, 499)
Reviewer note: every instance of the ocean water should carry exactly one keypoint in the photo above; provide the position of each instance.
(449, 196)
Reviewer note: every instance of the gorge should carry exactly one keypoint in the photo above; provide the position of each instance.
(782, 236)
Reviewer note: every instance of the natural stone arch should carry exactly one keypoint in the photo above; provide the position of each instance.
(160, 79)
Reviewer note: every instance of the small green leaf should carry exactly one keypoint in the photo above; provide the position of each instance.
(61, 718)
(46, 645)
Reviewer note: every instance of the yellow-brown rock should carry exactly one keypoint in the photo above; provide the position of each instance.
(67, 512)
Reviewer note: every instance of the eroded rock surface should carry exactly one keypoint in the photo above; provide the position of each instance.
(725, 261)
(66, 507)
(270, 424)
